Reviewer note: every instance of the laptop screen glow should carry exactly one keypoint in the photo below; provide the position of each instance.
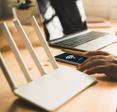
(62, 17)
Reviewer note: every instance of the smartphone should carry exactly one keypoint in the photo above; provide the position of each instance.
(70, 58)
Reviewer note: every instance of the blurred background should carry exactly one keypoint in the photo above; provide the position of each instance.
(99, 8)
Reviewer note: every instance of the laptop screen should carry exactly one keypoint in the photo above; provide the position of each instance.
(62, 17)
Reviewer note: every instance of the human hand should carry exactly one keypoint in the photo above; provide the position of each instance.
(100, 62)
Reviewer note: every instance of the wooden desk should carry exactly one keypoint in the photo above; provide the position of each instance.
(101, 97)
(17, 37)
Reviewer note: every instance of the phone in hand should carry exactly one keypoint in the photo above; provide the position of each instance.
(70, 58)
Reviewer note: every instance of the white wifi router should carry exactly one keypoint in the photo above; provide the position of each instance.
(52, 89)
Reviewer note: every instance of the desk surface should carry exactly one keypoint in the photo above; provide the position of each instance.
(101, 97)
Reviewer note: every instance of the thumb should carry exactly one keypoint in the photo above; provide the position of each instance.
(97, 69)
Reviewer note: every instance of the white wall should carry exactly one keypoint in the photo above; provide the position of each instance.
(101, 8)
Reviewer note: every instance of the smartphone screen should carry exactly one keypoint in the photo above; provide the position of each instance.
(70, 58)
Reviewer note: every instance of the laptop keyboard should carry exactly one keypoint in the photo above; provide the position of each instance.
(81, 39)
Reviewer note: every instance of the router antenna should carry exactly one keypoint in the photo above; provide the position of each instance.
(28, 44)
(15, 50)
(44, 43)
(7, 73)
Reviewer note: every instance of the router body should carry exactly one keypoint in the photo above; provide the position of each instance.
(52, 89)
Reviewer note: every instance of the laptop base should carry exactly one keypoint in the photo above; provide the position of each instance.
(95, 44)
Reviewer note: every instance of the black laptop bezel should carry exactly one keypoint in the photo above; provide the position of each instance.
(50, 41)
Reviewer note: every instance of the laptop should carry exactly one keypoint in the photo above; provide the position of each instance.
(65, 26)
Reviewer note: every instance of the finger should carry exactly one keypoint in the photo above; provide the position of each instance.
(97, 69)
(93, 63)
(94, 53)
(93, 58)
(112, 71)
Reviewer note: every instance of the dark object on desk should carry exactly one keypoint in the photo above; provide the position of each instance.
(70, 58)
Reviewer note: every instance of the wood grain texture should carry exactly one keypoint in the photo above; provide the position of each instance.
(101, 97)
(30, 31)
